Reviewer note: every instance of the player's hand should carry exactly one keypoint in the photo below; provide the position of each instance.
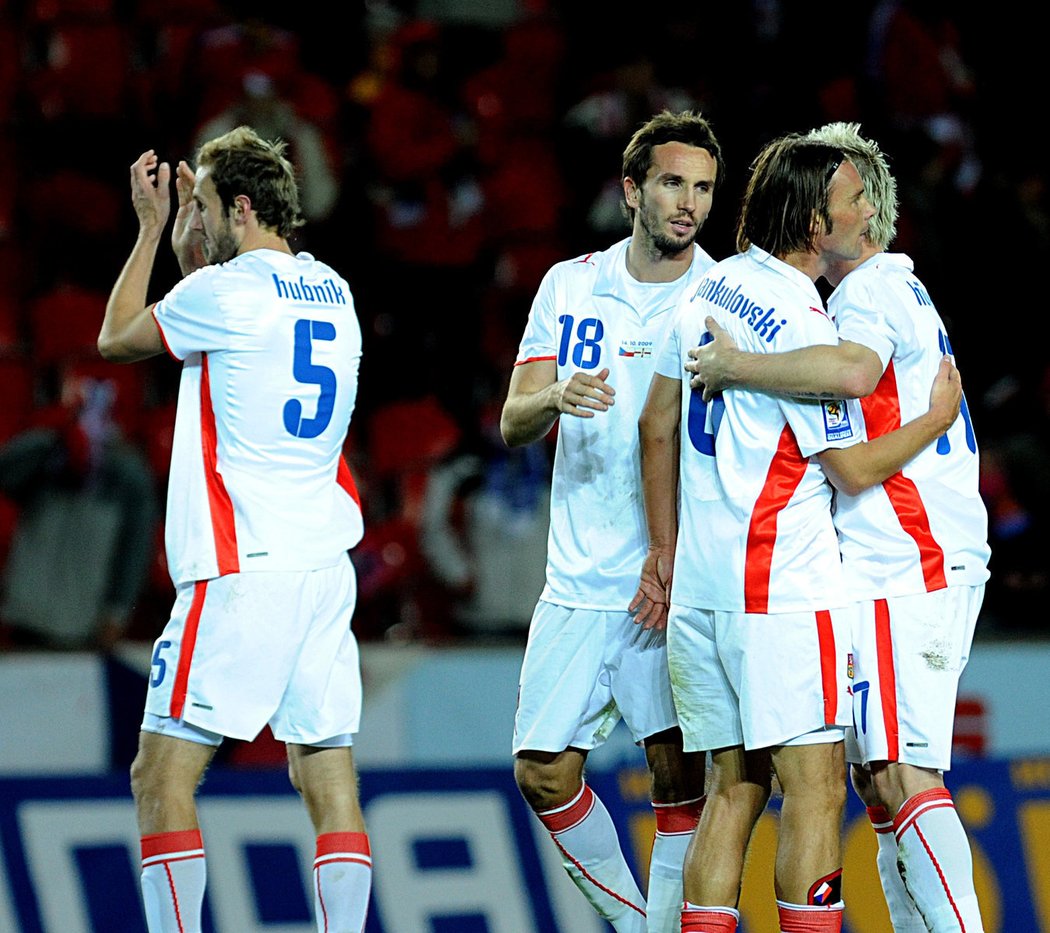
(187, 237)
(946, 394)
(150, 195)
(710, 364)
(582, 395)
(653, 597)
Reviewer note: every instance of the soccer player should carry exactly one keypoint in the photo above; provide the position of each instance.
(261, 514)
(585, 363)
(757, 648)
(914, 550)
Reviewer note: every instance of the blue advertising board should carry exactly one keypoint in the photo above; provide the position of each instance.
(455, 850)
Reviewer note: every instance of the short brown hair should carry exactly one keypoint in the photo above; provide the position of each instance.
(242, 162)
(667, 127)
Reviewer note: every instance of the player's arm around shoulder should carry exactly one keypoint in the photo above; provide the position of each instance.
(832, 371)
(536, 398)
(869, 463)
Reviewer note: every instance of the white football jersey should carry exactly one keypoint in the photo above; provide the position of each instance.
(590, 313)
(755, 531)
(925, 527)
(271, 346)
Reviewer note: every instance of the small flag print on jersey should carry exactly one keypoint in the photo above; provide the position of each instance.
(639, 349)
(836, 420)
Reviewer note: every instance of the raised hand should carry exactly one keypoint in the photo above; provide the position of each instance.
(186, 235)
(150, 195)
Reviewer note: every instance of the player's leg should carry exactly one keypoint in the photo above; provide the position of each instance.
(808, 872)
(904, 915)
(677, 796)
(316, 719)
(933, 852)
(706, 700)
(342, 875)
(737, 793)
(164, 778)
(582, 829)
(907, 744)
(565, 708)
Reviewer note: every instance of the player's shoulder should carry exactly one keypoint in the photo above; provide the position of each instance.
(586, 265)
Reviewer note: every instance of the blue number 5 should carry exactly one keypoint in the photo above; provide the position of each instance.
(309, 373)
(159, 663)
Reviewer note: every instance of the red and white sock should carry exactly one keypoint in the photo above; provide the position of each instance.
(585, 835)
(904, 914)
(342, 882)
(173, 876)
(675, 825)
(810, 918)
(933, 855)
(709, 919)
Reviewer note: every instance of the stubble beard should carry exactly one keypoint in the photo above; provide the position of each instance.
(663, 244)
(222, 248)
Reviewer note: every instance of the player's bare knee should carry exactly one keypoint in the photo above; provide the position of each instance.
(294, 777)
(545, 784)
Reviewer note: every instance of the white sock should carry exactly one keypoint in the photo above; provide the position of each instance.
(342, 882)
(585, 835)
(675, 825)
(904, 914)
(934, 860)
(173, 876)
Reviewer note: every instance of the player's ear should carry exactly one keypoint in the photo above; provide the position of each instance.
(242, 207)
(630, 192)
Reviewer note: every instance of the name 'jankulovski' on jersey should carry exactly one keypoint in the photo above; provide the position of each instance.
(590, 313)
(761, 320)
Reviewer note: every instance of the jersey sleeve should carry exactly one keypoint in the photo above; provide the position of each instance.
(190, 316)
(540, 340)
(861, 318)
(670, 359)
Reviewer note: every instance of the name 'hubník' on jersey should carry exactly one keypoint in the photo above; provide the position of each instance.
(328, 292)
(736, 302)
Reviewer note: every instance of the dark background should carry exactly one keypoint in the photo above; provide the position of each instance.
(466, 147)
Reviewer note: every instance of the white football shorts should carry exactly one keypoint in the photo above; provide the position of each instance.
(909, 652)
(250, 649)
(584, 670)
(742, 678)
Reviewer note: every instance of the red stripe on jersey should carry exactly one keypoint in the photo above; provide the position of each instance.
(223, 527)
(828, 666)
(882, 414)
(785, 473)
(345, 479)
(586, 259)
(534, 359)
(820, 311)
(189, 641)
(887, 678)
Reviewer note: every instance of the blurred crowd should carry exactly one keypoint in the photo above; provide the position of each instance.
(449, 153)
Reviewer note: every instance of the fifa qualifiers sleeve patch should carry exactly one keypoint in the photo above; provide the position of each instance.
(836, 420)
